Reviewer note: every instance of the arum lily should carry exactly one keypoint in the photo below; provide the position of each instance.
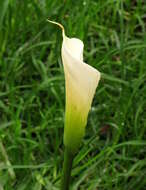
(81, 81)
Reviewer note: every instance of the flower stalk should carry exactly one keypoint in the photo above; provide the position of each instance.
(67, 167)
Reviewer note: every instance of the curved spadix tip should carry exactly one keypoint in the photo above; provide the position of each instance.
(58, 24)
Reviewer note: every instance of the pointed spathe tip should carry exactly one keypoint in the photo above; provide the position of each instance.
(58, 24)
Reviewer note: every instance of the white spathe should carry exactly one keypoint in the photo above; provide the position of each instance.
(81, 81)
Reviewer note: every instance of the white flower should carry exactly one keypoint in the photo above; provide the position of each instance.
(81, 81)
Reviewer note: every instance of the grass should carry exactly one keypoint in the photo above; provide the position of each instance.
(32, 94)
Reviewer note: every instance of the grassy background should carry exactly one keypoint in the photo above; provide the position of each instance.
(32, 94)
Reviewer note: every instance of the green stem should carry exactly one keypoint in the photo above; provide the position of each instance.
(67, 166)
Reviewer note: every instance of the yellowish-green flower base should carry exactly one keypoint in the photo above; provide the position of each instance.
(74, 131)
